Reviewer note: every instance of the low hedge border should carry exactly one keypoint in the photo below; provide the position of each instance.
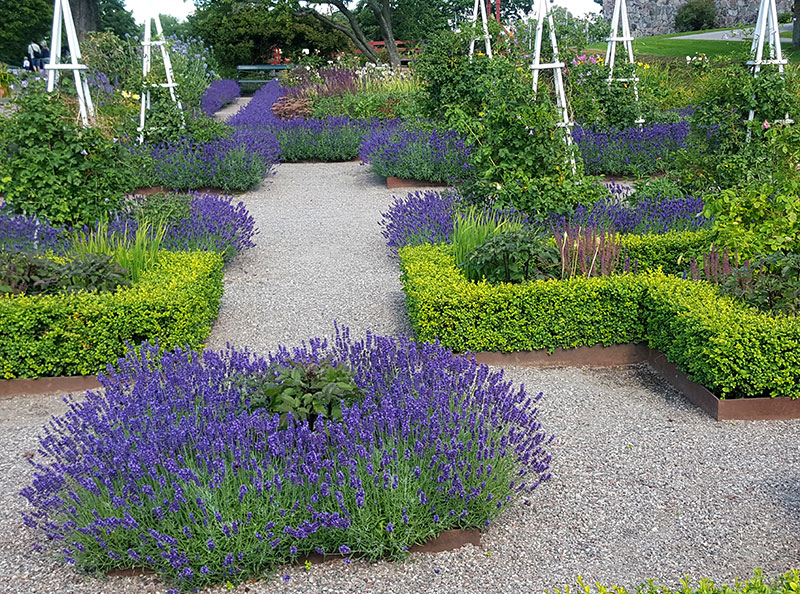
(732, 349)
(174, 303)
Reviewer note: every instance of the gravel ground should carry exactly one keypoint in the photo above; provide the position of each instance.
(644, 485)
(231, 109)
(319, 257)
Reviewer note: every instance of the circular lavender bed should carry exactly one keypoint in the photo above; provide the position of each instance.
(221, 466)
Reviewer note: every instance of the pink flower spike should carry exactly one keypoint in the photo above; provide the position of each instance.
(766, 125)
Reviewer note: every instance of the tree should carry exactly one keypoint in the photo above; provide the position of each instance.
(248, 32)
(23, 21)
(86, 14)
(114, 18)
(172, 25)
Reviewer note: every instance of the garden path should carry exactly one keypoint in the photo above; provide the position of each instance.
(230, 109)
(319, 257)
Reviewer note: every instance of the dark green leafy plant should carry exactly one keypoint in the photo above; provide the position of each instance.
(770, 283)
(696, 15)
(307, 391)
(513, 257)
(54, 168)
(22, 272)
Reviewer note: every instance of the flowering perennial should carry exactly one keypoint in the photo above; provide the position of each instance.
(420, 217)
(169, 467)
(416, 151)
(219, 93)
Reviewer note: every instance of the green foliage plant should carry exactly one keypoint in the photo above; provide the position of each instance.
(55, 168)
(473, 226)
(306, 391)
(514, 136)
(770, 283)
(696, 15)
(24, 272)
(174, 303)
(513, 257)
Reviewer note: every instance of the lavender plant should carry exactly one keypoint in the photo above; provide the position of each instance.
(167, 467)
(631, 151)
(420, 217)
(646, 216)
(326, 139)
(417, 151)
(218, 94)
(29, 233)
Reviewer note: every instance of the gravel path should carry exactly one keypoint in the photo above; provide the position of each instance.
(645, 485)
(232, 107)
(319, 257)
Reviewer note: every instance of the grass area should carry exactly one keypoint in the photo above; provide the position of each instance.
(666, 46)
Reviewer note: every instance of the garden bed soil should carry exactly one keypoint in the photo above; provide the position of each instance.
(448, 540)
(401, 182)
(734, 409)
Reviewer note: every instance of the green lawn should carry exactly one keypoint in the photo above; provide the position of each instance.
(665, 47)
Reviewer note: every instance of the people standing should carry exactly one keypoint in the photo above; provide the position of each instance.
(45, 53)
(35, 55)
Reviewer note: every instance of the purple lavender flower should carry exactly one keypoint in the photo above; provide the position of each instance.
(218, 94)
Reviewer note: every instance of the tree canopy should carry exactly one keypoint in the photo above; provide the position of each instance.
(23, 21)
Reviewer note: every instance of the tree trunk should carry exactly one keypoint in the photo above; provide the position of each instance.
(354, 31)
(796, 25)
(86, 15)
(383, 14)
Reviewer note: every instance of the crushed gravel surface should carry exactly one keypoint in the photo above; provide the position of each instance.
(644, 484)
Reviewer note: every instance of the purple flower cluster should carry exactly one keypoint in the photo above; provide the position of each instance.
(218, 94)
(236, 162)
(420, 217)
(334, 138)
(301, 139)
(414, 150)
(647, 216)
(168, 468)
(259, 111)
(29, 233)
(211, 223)
(327, 82)
(631, 151)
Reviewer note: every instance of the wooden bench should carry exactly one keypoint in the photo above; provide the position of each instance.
(271, 69)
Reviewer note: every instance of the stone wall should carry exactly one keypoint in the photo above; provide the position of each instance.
(657, 17)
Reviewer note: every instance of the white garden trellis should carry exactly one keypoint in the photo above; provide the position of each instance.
(619, 20)
(565, 122)
(480, 5)
(767, 30)
(147, 55)
(62, 14)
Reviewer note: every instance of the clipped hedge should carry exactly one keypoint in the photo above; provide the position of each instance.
(732, 349)
(175, 303)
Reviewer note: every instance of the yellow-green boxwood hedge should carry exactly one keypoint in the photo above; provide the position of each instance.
(732, 349)
(175, 302)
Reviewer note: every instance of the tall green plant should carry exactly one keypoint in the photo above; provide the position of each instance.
(135, 254)
(474, 226)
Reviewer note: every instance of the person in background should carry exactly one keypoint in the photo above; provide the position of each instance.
(35, 55)
(26, 63)
(45, 53)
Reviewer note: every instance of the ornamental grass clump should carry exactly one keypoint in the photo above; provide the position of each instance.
(171, 467)
(417, 151)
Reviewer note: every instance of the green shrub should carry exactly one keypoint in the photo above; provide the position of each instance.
(788, 583)
(54, 168)
(729, 347)
(175, 303)
(670, 252)
(696, 15)
(25, 272)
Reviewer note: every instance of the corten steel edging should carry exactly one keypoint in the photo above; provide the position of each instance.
(735, 409)
(401, 182)
(47, 385)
